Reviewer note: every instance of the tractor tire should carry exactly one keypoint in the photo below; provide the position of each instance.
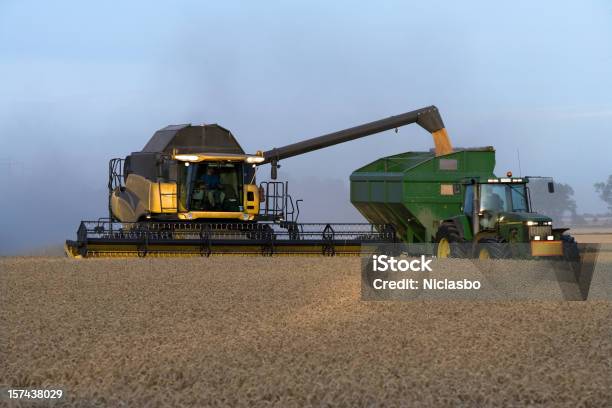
(449, 243)
(571, 254)
(493, 248)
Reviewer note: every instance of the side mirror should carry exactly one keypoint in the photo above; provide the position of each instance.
(551, 187)
(274, 169)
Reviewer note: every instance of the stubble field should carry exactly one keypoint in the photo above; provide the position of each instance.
(283, 331)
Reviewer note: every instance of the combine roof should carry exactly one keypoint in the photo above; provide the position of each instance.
(188, 138)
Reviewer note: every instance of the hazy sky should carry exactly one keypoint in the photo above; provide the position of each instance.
(81, 82)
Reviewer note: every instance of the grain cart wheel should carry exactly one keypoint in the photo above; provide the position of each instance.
(449, 243)
(493, 248)
(571, 255)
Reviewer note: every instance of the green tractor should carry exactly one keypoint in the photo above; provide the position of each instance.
(456, 202)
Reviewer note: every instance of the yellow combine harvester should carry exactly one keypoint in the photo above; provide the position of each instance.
(193, 190)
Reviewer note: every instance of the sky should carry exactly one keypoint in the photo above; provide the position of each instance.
(82, 82)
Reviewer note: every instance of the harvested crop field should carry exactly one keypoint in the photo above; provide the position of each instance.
(593, 235)
(282, 331)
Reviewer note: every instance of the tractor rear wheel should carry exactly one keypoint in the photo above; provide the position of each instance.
(493, 248)
(449, 243)
(571, 254)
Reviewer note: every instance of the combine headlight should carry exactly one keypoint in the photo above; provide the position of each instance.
(536, 238)
(186, 157)
(549, 223)
(254, 159)
(506, 180)
(531, 223)
(550, 238)
(493, 180)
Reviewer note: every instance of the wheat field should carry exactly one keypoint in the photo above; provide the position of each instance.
(284, 331)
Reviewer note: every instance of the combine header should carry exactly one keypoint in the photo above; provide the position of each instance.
(106, 238)
(192, 190)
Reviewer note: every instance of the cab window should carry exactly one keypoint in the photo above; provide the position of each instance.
(468, 204)
(503, 198)
(211, 186)
(519, 198)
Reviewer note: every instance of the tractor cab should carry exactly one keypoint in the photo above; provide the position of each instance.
(502, 207)
(506, 198)
(497, 195)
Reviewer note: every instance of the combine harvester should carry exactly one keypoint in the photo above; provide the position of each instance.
(192, 190)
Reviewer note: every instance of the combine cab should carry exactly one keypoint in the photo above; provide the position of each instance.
(185, 172)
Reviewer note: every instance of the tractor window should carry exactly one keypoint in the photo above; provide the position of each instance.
(519, 198)
(494, 197)
(503, 198)
(468, 204)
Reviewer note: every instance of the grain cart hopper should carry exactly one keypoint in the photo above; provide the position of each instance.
(458, 203)
(193, 190)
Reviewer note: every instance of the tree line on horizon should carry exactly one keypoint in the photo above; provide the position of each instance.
(561, 204)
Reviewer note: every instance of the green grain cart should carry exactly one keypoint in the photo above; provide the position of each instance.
(456, 202)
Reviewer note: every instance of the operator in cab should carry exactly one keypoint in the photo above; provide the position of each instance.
(214, 189)
(492, 204)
